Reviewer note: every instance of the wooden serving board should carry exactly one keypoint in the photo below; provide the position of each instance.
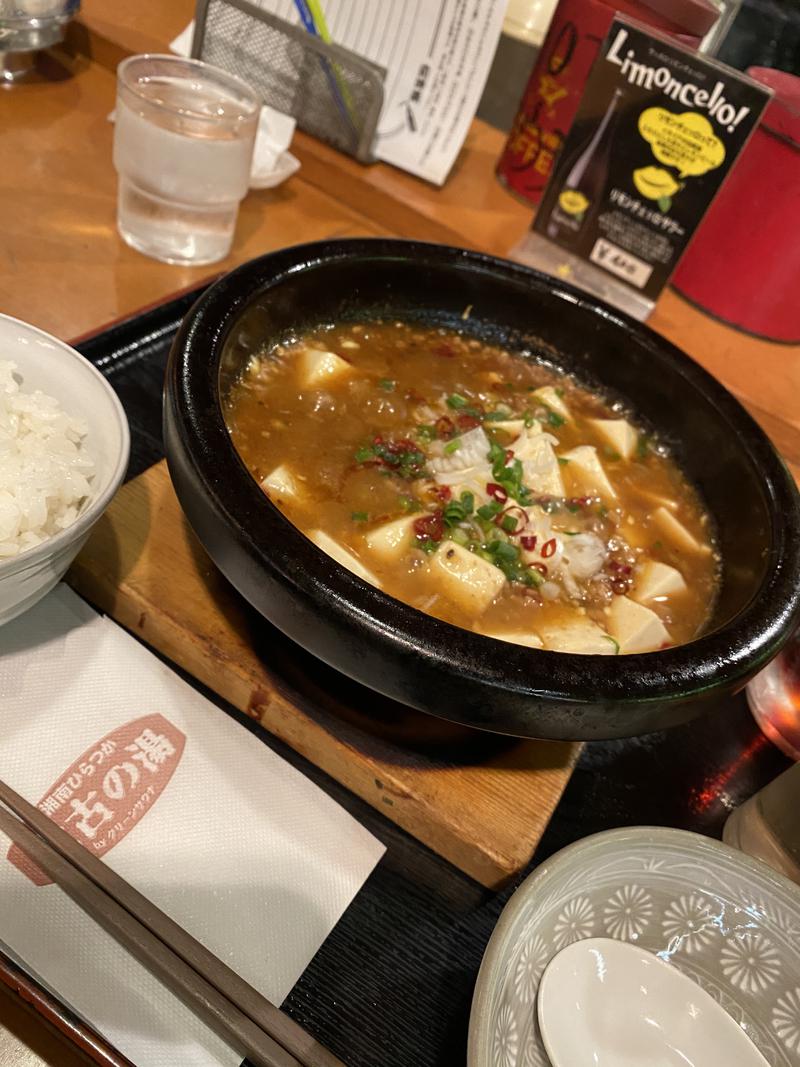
(482, 803)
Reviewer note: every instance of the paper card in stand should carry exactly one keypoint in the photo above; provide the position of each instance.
(436, 57)
(657, 131)
(198, 814)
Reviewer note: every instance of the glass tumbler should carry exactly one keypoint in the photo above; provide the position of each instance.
(768, 824)
(774, 699)
(183, 146)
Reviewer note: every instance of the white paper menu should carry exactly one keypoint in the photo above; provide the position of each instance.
(227, 838)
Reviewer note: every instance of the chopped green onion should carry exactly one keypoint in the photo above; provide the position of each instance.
(554, 419)
(602, 511)
(456, 401)
(488, 511)
(452, 446)
(461, 537)
(615, 643)
(408, 504)
(611, 453)
(387, 385)
(458, 510)
(359, 516)
(364, 453)
(559, 392)
(504, 551)
(426, 432)
(509, 523)
(642, 446)
(563, 461)
(497, 416)
(428, 545)
(528, 418)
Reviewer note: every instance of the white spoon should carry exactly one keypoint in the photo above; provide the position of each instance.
(606, 1003)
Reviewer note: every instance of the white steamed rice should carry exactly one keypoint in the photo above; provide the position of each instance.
(45, 471)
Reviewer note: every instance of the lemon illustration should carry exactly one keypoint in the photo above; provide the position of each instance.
(655, 183)
(573, 202)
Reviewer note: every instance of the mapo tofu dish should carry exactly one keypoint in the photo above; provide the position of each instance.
(480, 487)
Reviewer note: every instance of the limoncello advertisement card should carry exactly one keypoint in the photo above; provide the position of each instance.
(657, 132)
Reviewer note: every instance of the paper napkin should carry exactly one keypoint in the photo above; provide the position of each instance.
(193, 810)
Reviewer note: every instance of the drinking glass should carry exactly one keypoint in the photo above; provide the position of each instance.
(183, 145)
(768, 824)
(774, 699)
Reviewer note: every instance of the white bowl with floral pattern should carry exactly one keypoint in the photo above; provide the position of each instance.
(727, 921)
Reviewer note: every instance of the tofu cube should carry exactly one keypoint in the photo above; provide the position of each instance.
(584, 472)
(578, 635)
(617, 434)
(656, 499)
(656, 581)
(466, 579)
(318, 368)
(514, 637)
(343, 556)
(389, 541)
(281, 484)
(676, 533)
(550, 398)
(636, 628)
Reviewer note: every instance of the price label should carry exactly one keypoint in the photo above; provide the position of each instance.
(619, 262)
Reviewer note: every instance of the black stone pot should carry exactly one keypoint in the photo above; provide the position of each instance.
(401, 652)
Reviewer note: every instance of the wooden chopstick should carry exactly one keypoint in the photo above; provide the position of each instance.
(222, 998)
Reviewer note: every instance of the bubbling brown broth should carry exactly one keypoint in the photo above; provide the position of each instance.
(480, 487)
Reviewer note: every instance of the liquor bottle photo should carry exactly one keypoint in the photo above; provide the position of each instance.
(586, 177)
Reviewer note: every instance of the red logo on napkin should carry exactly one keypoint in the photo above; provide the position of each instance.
(107, 790)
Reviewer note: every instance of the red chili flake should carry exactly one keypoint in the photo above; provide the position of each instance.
(377, 440)
(467, 422)
(541, 568)
(517, 513)
(445, 427)
(429, 527)
(549, 548)
(445, 350)
(528, 542)
(442, 493)
(497, 492)
(620, 568)
(579, 501)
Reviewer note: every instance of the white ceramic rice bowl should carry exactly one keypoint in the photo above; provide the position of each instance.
(48, 364)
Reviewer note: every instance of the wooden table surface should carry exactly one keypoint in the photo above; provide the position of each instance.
(64, 268)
